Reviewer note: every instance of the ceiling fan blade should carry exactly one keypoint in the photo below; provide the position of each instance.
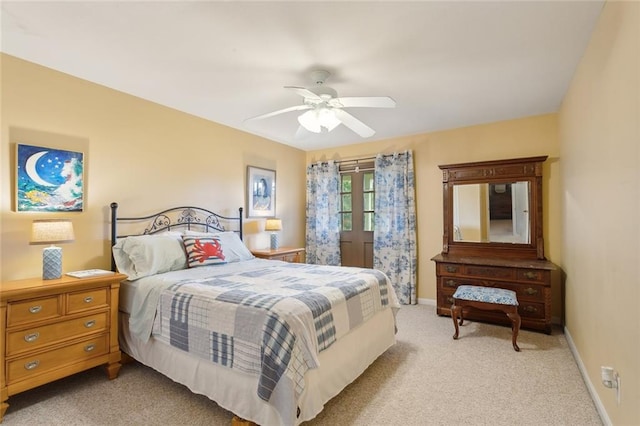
(280, 111)
(305, 93)
(354, 124)
(365, 102)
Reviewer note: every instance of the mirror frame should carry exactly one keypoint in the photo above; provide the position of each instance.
(499, 171)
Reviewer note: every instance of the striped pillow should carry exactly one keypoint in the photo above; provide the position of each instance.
(202, 251)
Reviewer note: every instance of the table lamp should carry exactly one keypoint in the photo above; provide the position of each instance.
(51, 231)
(273, 225)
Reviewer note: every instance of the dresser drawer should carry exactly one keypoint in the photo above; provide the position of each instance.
(531, 292)
(531, 310)
(476, 271)
(36, 337)
(33, 310)
(32, 365)
(534, 275)
(84, 300)
(450, 268)
(490, 272)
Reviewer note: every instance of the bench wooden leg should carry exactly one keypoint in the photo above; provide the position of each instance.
(455, 312)
(515, 328)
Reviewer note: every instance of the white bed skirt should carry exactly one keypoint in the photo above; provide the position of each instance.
(235, 391)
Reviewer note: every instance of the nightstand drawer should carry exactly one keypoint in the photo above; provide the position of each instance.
(84, 300)
(286, 254)
(33, 310)
(291, 257)
(36, 337)
(32, 365)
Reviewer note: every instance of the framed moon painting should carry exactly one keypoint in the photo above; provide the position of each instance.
(49, 180)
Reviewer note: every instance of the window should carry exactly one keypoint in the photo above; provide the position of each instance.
(347, 206)
(357, 185)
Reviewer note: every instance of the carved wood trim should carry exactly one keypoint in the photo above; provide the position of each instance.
(527, 169)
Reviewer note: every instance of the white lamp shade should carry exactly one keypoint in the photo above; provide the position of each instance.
(309, 121)
(52, 231)
(316, 119)
(273, 225)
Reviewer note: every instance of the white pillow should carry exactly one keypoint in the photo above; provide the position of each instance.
(232, 246)
(145, 255)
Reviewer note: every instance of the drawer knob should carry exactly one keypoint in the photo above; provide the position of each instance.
(450, 299)
(31, 365)
(35, 309)
(90, 347)
(90, 323)
(530, 308)
(531, 291)
(530, 275)
(452, 269)
(31, 337)
(450, 283)
(88, 299)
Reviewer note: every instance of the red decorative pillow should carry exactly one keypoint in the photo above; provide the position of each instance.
(202, 251)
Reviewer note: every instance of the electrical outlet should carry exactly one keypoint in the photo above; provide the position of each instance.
(608, 377)
(611, 379)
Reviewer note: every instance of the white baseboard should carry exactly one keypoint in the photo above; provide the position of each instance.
(592, 390)
(431, 302)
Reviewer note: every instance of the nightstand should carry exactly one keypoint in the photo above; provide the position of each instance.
(288, 254)
(54, 328)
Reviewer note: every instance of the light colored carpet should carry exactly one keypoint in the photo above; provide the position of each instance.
(427, 378)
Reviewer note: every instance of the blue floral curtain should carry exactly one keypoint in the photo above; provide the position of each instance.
(394, 249)
(323, 214)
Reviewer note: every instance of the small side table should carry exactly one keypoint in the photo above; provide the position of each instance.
(54, 328)
(287, 254)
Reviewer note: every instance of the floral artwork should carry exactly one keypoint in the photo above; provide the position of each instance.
(261, 192)
(49, 180)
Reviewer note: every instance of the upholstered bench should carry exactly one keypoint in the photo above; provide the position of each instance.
(488, 299)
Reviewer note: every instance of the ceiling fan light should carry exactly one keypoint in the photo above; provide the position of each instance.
(309, 121)
(328, 119)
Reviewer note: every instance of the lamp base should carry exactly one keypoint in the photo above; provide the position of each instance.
(274, 241)
(51, 263)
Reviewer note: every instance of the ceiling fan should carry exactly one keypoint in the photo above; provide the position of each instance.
(324, 109)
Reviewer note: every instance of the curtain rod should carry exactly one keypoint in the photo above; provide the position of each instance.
(355, 160)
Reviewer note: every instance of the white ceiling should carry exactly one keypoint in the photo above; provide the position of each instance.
(447, 64)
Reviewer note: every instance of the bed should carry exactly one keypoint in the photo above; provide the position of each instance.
(270, 341)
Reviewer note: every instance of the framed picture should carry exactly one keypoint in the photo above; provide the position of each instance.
(49, 180)
(261, 192)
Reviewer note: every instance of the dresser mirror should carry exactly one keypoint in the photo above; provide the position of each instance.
(492, 212)
(494, 208)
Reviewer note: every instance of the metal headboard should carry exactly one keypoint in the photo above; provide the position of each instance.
(174, 219)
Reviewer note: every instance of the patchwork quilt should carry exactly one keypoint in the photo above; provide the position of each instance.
(271, 320)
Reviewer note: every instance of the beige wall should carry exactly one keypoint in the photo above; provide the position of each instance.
(600, 140)
(509, 139)
(142, 155)
(146, 156)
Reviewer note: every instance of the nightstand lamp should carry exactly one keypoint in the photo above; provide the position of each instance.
(273, 225)
(51, 231)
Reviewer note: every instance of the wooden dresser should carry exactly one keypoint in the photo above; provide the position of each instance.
(54, 328)
(496, 245)
(287, 254)
(532, 281)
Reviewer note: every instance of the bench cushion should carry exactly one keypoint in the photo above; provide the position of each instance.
(476, 293)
